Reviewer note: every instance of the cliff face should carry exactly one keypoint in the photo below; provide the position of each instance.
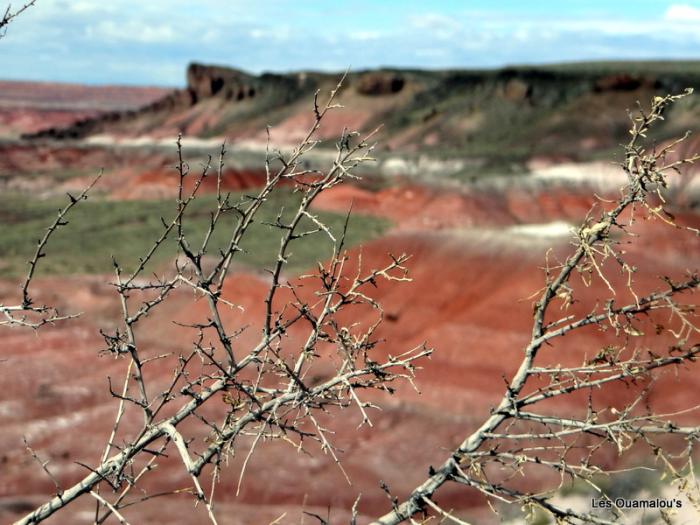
(512, 114)
(208, 81)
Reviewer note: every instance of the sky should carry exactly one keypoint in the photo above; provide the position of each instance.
(150, 42)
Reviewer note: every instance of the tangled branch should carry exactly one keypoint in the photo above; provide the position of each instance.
(226, 391)
(519, 440)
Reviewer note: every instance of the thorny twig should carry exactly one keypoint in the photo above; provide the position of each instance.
(10, 15)
(26, 313)
(226, 391)
(525, 443)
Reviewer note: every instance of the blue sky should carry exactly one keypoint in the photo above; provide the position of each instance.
(151, 41)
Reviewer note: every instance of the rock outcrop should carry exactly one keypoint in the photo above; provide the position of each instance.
(209, 81)
(625, 82)
(380, 83)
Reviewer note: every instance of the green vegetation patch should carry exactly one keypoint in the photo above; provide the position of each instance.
(101, 228)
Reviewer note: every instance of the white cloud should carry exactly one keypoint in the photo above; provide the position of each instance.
(682, 13)
(364, 36)
(133, 31)
(89, 7)
(87, 37)
(162, 74)
(432, 52)
(436, 24)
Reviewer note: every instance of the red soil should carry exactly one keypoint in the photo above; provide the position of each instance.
(413, 207)
(473, 312)
(21, 159)
(163, 183)
(28, 107)
(17, 121)
(52, 95)
(468, 299)
(295, 128)
(130, 173)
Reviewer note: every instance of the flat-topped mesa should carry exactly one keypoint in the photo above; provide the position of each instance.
(519, 112)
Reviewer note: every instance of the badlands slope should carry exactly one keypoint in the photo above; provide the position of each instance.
(476, 260)
(477, 243)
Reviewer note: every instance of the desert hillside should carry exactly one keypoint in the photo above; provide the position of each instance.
(496, 118)
(481, 176)
(30, 107)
